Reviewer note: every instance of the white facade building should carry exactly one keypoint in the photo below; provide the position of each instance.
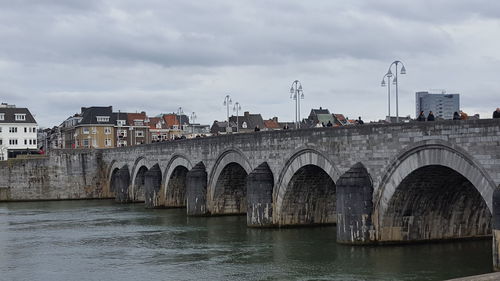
(18, 131)
(442, 105)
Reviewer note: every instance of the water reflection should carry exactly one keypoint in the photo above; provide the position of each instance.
(100, 240)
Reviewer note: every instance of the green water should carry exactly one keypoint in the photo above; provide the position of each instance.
(101, 240)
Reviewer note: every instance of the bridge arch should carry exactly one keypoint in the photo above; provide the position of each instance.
(174, 181)
(433, 190)
(113, 168)
(136, 192)
(305, 190)
(227, 183)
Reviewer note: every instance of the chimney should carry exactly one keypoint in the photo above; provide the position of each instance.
(246, 113)
(275, 119)
(320, 108)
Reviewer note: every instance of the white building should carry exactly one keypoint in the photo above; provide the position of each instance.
(18, 131)
(442, 105)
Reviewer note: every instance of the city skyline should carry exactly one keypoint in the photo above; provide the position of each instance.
(156, 57)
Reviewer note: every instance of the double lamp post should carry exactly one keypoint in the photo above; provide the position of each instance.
(389, 75)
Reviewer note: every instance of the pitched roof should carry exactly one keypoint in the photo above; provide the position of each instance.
(251, 120)
(271, 124)
(324, 118)
(341, 119)
(153, 121)
(90, 114)
(133, 117)
(319, 111)
(173, 119)
(10, 113)
(218, 127)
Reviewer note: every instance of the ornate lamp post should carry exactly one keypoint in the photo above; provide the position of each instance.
(237, 108)
(227, 103)
(179, 115)
(395, 82)
(296, 94)
(388, 76)
(193, 119)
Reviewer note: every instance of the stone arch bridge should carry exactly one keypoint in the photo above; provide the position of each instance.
(379, 183)
(396, 183)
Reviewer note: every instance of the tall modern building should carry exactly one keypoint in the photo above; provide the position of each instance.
(442, 105)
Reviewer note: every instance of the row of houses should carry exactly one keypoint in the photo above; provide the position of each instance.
(250, 122)
(101, 127)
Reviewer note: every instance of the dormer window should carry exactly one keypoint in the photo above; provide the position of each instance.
(244, 125)
(120, 122)
(20, 117)
(102, 118)
(2, 116)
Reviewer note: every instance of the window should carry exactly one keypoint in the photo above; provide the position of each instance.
(2, 116)
(107, 142)
(102, 118)
(34, 142)
(122, 133)
(120, 122)
(20, 117)
(26, 130)
(244, 125)
(107, 130)
(12, 129)
(0, 129)
(85, 130)
(139, 134)
(94, 130)
(13, 141)
(138, 123)
(34, 129)
(1, 141)
(26, 142)
(86, 143)
(31, 142)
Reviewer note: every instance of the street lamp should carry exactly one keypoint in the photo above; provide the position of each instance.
(237, 108)
(388, 75)
(296, 94)
(227, 103)
(179, 115)
(193, 118)
(395, 82)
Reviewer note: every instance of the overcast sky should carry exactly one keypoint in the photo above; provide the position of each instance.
(156, 56)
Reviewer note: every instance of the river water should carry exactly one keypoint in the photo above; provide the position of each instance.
(101, 240)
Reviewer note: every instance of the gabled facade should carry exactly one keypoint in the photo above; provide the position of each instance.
(18, 131)
(158, 129)
(218, 128)
(67, 131)
(96, 129)
(138, 128)
(246, 123)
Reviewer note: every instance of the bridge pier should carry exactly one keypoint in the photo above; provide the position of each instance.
(152, 186)
(355, 207)
(196, 191)
(496, 229)
(260, 183)
(121, 185)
